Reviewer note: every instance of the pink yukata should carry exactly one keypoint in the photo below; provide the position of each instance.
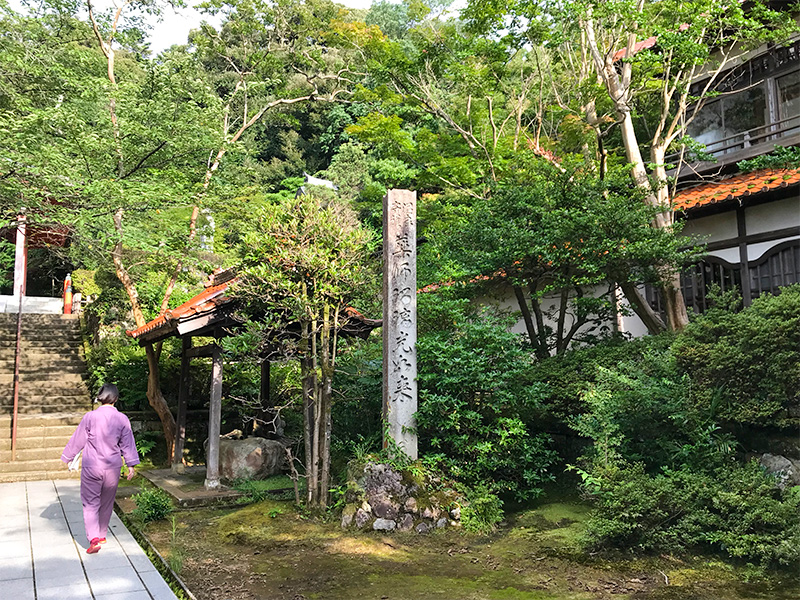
(105, 436)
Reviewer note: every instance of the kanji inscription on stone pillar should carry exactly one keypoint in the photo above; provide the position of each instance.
(400, 319)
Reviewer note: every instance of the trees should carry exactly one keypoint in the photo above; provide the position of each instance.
(303, 261)
(645, 55)
(567, 233)
(106, 141)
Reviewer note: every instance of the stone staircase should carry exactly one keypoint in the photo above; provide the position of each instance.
(52, 394)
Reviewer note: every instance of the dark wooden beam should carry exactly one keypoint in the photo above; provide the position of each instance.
(265, 373)
(183, 401)
(214, 422)
(201, 351)
(741, 233)
(756, 238)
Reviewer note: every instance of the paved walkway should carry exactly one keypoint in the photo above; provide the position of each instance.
(43, 550)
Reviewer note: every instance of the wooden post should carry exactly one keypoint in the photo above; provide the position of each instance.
(214, 421)
(183, 402)
(265, 373)
(400, 320)
(21, 257)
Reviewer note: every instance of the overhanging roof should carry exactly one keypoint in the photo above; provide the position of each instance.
(213, 309)
(737, 187)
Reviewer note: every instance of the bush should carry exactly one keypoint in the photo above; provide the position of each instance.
(482, 511)
(640, 412)
(152, 504)
(735, 510)
(474, 385)
(745, 366)
(662, 468)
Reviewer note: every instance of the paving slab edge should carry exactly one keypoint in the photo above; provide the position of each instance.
(161, 565)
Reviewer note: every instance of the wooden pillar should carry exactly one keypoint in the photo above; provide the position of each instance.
(214, 421)
(265, 373)
(741, 230)
(183, 402)
(21, 257)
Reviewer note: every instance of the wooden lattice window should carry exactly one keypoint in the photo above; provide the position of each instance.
(778, 267)
(696, 281)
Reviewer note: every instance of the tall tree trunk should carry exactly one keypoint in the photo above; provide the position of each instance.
(154, 395)
(616, 76)
(649, 317)
(156, 398)
(326, 391)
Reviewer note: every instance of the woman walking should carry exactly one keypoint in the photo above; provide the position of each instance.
(105, 436)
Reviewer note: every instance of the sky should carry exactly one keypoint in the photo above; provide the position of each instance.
(175, 25)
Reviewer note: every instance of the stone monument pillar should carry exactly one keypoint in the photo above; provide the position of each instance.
(400, 319)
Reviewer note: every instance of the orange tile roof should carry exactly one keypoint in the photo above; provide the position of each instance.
(209, 299)
(736, 187)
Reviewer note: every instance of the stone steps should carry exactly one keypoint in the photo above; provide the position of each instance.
(52, 394)
(63, 473)
(21, 466)
(25, 443)
(53, 420)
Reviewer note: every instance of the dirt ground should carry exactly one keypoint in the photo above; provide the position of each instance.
(270, 551)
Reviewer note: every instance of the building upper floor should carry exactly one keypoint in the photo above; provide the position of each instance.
(755, 107)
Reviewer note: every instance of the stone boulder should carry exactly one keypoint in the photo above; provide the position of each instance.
(786, 471)
(250, 458)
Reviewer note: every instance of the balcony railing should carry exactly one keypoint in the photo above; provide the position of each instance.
(747, 143)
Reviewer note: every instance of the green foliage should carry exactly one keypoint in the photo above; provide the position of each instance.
(152, 504)
(745, 365)
(146, 441)
(735, 510)
(474, 386)
(662, 469)
(780, 158)
(639, 412)
(301, 255)
(563, 232)
(482, 511)
(6, 263)
(565, 378)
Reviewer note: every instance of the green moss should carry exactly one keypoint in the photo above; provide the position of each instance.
(533, 558)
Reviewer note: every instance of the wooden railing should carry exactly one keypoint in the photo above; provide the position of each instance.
(746, 139)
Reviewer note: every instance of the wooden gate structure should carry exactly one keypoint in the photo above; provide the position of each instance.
(212, 313)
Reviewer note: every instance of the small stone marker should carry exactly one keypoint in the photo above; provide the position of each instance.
(400, 319)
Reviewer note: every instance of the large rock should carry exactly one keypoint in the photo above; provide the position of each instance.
(250, 458)
(784, 469)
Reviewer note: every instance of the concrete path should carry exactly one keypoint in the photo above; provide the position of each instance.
(43, 550)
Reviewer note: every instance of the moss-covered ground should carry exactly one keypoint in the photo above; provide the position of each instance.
(270, 551)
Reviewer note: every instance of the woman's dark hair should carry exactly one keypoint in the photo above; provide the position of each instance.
(108, 394)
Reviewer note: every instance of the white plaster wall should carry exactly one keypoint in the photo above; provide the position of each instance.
(773, 215)
(504, 299)
(756, 251)
(729, 254)
(713, 228)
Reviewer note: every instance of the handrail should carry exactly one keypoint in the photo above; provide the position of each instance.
(771, 130)
(17, 357)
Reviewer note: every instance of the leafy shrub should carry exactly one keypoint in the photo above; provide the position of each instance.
(735, 510)
(662, 468)
(565, 378)
(482, 511)
(745, 365)
(473, 385)
(146, 441)
(152, 504)
(639, 412)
